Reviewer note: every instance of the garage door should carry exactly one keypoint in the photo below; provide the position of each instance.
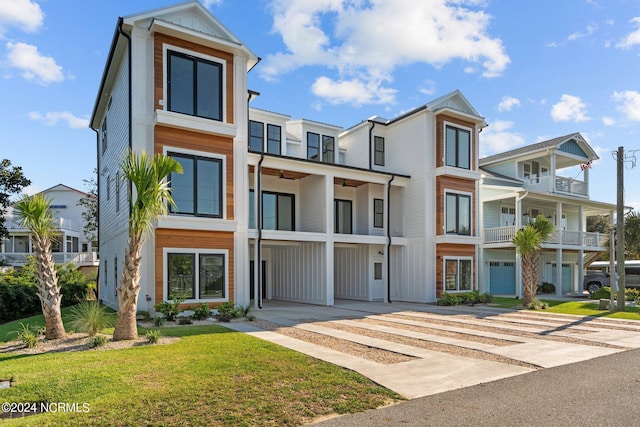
(566, 277)
(502, 277)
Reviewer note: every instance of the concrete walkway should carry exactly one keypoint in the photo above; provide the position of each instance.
(521, 341)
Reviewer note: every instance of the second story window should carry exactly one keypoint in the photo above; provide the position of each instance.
(198, 190)
(194, 86)
(274, 136)
(325, 153)
(458, 214)
(378, 150)
(256, 136)
(328, 149)
(378, 213)
(457, 147)
(343, 216)
(313, 146)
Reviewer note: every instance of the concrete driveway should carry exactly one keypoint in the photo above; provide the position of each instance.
(435, 349)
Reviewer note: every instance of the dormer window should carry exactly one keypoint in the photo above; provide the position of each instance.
(458, 147)
(194, 86)
(328, 152)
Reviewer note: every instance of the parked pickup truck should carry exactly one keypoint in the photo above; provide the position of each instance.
(594, 280)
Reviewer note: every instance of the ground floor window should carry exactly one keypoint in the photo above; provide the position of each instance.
(458, 274)
(199, 275)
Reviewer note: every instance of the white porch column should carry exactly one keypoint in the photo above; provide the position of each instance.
(559, 250)
(552, 181)
(581, 224)
(256, 224)
(518, 203)
(329, 245)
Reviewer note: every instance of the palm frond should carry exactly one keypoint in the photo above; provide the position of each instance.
(527, 240)
(33, 212)
(543, 226)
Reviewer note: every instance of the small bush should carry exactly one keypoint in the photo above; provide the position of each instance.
(536, 304)
(143, 315)
(90, 317)
(227, 311)
(547, 288)
(73, 284)
(201, 311)
(153, 336)
(170, 309)
(602, 293)
(630, 294)
(469, 298)
(158, 321)
(98, 341)
(184, 321)
(28, 335)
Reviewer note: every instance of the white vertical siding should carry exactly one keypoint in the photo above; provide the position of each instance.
(412, 272)
(313, 204)
(363, 207)
(356, 144)
(298, 273)
(351, 279)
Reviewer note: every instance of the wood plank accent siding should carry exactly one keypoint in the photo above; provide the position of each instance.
(159, 71)
(444, 183)
(192, 239)
(453, 250)
(180, 138)
(440, 139)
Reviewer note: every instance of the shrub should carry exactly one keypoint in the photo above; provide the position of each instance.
(602, 293)
(547, 288)
(630, 294)
(73, 284)
(470, 298)
(201, 311)
(98, 341)
(143, 315)
(153, 336)
(170, 309)
(90, 317)
(17, 300)
(536, 304)
(28, 335)
(227, 311)
(158, 321)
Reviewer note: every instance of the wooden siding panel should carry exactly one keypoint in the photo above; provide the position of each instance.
(455, 251)
(444, 183)
(192, 239)
(180, 138)
(440, 141)
(160, 39)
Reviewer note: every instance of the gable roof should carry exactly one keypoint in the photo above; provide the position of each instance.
(589, 153)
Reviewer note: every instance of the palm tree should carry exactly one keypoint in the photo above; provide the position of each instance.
(152, 200)
(528, 241)
(35, 215)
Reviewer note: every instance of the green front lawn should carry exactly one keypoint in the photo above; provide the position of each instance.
(580, 308)
(212, 376)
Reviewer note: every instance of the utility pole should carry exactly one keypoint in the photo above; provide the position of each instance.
(620, 228)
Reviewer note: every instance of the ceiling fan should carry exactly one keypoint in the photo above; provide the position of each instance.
(281, 176)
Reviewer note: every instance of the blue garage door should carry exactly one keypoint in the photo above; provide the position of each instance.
(502, 277)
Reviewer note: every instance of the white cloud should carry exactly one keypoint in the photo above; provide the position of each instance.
(31, 190)
(507, 103)
(365, 41)
(632, 38)
(52, 118)
(355, 91)
(629, 104)
(34, 66)
(428, 87)
(209, 3)
(570, 108)
(578, 35)
(497, 138)
(25, 15)
(608, 121)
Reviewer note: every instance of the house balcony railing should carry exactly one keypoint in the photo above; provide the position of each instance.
(570, 238)
(562, 185)
(59, 224)
(79, 259)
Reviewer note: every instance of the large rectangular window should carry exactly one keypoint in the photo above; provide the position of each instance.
(458, 275)
(194, 86)
(196, 275)
(278, 211)
(457, 147)
(274, 136)
(378, 213)
(198, 190)
(343, 216)
(458, 214)
(378, 150)
(313, 146)
(328, 149)
(256, 136)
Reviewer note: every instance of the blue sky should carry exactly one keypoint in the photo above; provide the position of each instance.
(534, 69)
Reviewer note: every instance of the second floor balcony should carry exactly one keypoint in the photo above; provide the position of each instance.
(59, 224)
(561, 185)
(575, 239)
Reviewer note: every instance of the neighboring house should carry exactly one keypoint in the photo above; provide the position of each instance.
(71, 244)
(521, 184)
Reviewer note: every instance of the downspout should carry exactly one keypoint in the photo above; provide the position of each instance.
(389, 237)
(371, 148)
(98, 209)
(126, 36)
(258, 262)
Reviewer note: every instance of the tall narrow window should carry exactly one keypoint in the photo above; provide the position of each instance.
(458, 214)
(115, 275)
(118, 192)
(328, 149)
(274, 137)
(343, 216)
(457, 147)
(458, 275)
(108, 187)
(198, 190)
(194, 86)
(212, 276)
(256, 136)
(378, 150)
(508, 216)
(278, 211)
(313, 146)
(378, 213)
(180, 275)
(104, 135)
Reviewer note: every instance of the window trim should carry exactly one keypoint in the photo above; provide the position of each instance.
(444, 273)
(223, 171)
(277, 216)
(458, 194)
(166, 48)
(336, 202)
(325, 150)
(196, 252)
(378, 215)
(458, 128)
(319, 158)
(255, 136)
(103, 134)
(376, 151)
(268, 140)
(117, 183)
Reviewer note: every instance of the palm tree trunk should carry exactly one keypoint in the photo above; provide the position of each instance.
(126, 327)
(530, 278)
(48, 289)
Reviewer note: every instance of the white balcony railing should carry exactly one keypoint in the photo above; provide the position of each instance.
(76, 258)
(569, 238)
(60, 224)
(562, 185)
